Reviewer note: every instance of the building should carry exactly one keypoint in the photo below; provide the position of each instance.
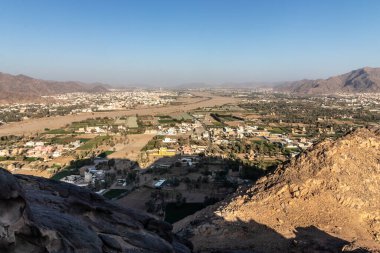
(162, 152)
(160, 183)
(169, 140)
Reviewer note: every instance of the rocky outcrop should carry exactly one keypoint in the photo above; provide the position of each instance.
(40, 215)
(325, 200)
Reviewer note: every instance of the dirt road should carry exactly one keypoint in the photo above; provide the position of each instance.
(32, 126)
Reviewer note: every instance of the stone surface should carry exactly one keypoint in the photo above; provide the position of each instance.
(325, 200)
(40, 215)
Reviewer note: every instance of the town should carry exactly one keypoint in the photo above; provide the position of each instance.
(74, 103)
(185, 160)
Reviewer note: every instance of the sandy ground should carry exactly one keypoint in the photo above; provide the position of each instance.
(132, 149)
(38, 125)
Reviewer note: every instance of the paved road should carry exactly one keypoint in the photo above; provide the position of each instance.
(38, 125)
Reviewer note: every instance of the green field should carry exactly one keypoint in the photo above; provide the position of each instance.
(57, 131)
(93, 143)
(7, 158)
(61, 174)
(92, 122)
(174, 213)
(31, 159)
(114, 193)
(106, 153)
(64, 140)
(72, 169)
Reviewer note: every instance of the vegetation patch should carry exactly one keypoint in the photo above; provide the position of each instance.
(106, 153)
(63, 141)
(57, 131)
(114, 193)
(93, 143)
(156, 142)
(175, 212)
(32, 159)
(63, 173)
(7, 158)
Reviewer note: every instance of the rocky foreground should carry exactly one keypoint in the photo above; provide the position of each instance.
(325, 200)
(39, 216)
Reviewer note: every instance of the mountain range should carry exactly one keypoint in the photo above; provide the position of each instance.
(15, 88)
(363, 80)
(23, 88)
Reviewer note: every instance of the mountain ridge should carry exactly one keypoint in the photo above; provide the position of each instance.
(363, 80)
(22, 88)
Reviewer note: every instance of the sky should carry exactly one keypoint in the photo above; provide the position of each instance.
(172, 42)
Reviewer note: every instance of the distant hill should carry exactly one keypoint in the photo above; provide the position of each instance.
(357, 81)
(21, 87)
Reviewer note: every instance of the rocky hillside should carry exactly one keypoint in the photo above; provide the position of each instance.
(325, 200)
(39, 215)
(21, 87)
(358, 81)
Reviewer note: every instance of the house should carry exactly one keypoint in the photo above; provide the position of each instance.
(186, 150)
(166, 152)
(39, 144)
(151, 131)
(197, 149)
(169, 140)
(56, 154)
(162, 152)
(81, 130)
(4, 152)
(92, 174)
(159, 184)
(74, 144)
(205, 135)
(95, 130)
(75, 179)
(171, 131)
(87, 168)
(30, 144)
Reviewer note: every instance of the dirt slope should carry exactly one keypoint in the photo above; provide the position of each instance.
(325, 200)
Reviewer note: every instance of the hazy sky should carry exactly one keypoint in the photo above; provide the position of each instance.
(181, 41)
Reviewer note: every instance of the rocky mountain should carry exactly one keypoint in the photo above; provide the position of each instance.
(39, 215)
(21, 87)
(325, 200)
(358, 81)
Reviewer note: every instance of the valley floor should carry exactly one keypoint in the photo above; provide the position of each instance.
(38, 125)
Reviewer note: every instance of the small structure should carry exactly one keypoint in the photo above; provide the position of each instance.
(161, 152)
(160, 183)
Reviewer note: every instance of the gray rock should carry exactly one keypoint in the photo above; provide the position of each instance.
(41, 215)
